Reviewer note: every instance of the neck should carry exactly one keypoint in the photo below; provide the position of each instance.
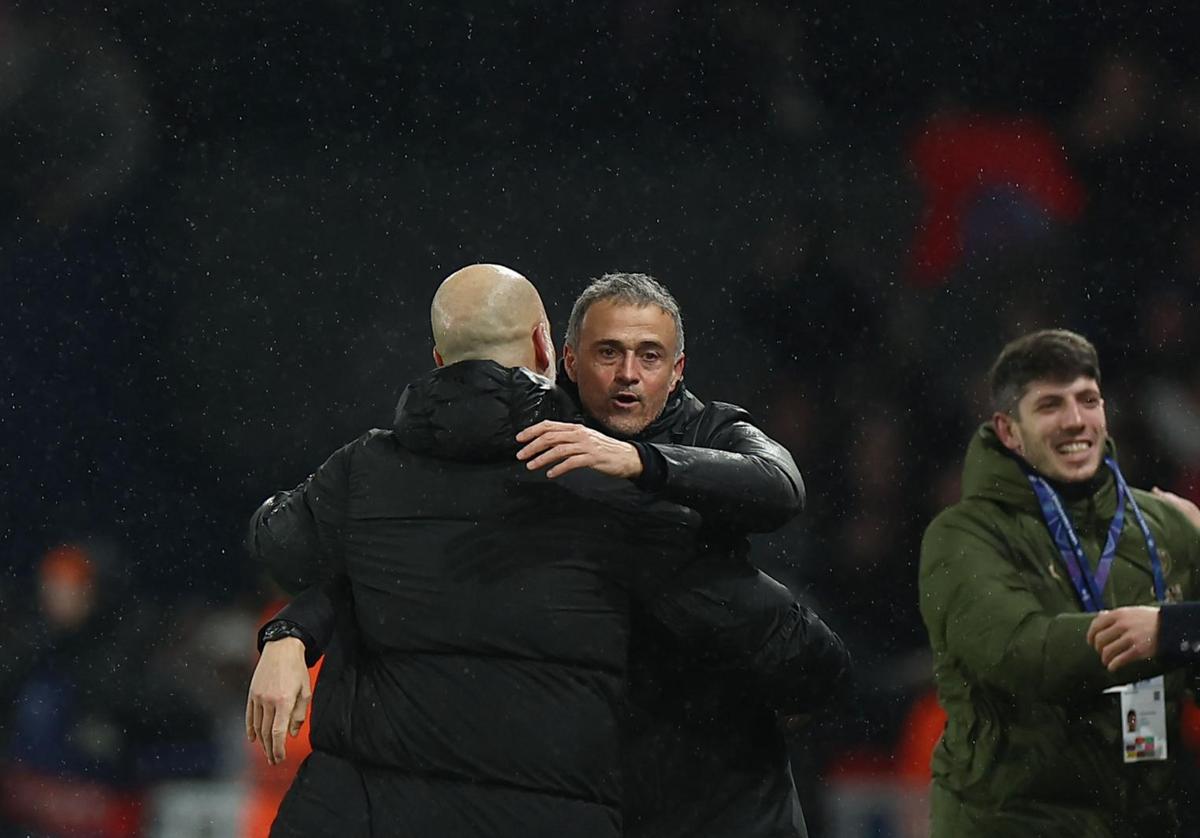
(514, 358)
(1076, 490)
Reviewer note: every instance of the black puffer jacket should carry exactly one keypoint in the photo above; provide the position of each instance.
(487, 654)
(717, 659)
(704, 756)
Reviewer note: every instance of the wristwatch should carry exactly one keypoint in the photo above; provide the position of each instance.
(279, 629)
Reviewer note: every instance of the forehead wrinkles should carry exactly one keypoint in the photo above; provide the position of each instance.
(628, 325)
(633, 343)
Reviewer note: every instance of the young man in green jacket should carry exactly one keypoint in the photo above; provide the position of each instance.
(1040, 740)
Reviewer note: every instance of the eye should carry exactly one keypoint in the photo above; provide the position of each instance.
(651, 357)
(607, 353)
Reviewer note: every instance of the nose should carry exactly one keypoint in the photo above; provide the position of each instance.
(627, 369)
(1072, 416)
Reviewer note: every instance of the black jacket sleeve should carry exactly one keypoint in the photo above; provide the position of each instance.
(1179, 633)
(734, 474)
(314, 611)
(297, 535)
(743, 624)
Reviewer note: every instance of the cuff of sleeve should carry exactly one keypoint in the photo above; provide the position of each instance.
(1069, 665)
(287, 628)
(1178, 637)
(654, 467)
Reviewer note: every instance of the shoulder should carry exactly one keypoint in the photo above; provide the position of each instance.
(1176, 529)
(727, 412)
(723, 414)
(707, 421)
(374, 442)
(1158, 511)
(963, 546)
(966, 527)
(971, 515)
(375, 439)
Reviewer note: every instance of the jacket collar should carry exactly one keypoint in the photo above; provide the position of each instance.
(473, 410)
(681, 406)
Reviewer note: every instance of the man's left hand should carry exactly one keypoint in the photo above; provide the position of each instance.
(1125, 635)
(569, 446)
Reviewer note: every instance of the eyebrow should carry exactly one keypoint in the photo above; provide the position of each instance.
(1051, 398)
(645, 344)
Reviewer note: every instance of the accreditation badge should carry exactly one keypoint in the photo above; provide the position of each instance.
(1143, 720)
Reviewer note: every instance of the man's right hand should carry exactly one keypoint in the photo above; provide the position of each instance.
(566, 446)
(1125, 635)
(279, 695)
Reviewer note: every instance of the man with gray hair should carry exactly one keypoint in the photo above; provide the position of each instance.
(703, 752)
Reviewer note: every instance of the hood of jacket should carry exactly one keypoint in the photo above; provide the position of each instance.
(473, 410)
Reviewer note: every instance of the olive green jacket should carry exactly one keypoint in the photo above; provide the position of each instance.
(1032, 745)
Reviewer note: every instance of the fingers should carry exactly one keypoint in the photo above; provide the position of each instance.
(1110, 635)
(271, 720)
(542, 443)
(570, 464)
(288, 722)
(1115, 649)
(555, 454)
(1184, 505)
(535, 431)
(1128, 648)
(265, 722)
(279, 729)
(548, 442)
(250, 716)
(1164, 494)
(299, 712)
(256, 718)
(1126, 657)
(279, 697)
(1103, 620)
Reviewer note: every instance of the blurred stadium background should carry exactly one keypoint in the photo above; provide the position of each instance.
(223, 222)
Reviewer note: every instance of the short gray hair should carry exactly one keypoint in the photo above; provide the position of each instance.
(630, 289)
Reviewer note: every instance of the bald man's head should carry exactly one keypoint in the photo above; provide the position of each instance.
(490, 312)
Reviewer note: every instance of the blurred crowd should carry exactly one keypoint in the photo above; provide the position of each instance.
(222, 227)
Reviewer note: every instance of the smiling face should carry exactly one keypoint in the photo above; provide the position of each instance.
(1060, 428)
(624, 364)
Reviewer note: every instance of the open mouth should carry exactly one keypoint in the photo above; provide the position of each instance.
(1078, 446)
(625, 399)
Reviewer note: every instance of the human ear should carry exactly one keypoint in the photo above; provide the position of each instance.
(569, 361)
(677, 372)
(1008, 432)
(543, 348)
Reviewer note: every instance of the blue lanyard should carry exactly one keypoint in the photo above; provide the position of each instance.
(1091, 587)
(1160, 582)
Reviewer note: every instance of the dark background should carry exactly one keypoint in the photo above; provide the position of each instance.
(222, 224)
